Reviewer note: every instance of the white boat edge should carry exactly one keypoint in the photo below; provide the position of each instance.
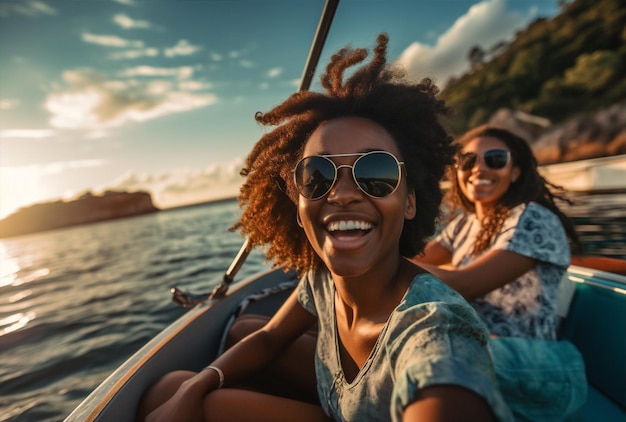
(594, 174)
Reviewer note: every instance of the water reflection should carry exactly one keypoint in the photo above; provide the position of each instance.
(15, 322)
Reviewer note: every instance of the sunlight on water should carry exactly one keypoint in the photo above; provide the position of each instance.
(8, 267)
(19, 296)
(35, 275)
(15, 322)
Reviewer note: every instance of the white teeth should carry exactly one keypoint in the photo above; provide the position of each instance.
(348, 225)
(482, 182)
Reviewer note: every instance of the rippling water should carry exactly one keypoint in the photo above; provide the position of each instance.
(75, 303)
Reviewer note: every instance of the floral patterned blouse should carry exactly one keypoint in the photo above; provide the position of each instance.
(525, 307)
(432, 337)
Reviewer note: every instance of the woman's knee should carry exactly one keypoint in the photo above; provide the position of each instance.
(161, 391)
(243, 326)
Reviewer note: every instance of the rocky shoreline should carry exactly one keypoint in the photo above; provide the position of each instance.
(88, 208)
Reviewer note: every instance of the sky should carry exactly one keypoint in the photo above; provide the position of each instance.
(160, 95)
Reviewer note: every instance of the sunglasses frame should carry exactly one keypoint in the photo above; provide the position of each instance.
(351, 167)
(475, 158)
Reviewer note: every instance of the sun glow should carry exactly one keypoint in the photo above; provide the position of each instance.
(19, 186)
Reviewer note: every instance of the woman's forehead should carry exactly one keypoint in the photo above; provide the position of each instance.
(484, 143)
(349, 135)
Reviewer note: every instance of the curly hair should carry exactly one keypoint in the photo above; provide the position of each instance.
(375, 91)
(530, 186)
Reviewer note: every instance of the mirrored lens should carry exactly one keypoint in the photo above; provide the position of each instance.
(377, 174)
(314, 176)
(496, 158)
(466, 161)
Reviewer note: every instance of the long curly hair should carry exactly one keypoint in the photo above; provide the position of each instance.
(530, 186)
(375, 91)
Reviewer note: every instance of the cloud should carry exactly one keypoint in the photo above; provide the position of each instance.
(272, 73)
(29, 8)
(90, 101)
(182, 48)
(189, 85)
(484, 24)
(55, 167)
(8, 103)
(61, 166)
(126, 2)
(26, 133)
(111, 41)
(184, 186)
(183, 72)
(127, 22)
(134, 54)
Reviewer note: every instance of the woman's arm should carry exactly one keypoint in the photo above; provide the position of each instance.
(241, 360)
(443, 403)
(259, 348)
(489, 272)
(434, 254)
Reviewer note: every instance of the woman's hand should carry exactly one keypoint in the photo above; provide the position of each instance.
(178, 396)
(185, 404)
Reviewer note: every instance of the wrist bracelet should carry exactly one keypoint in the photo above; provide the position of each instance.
(220, 374)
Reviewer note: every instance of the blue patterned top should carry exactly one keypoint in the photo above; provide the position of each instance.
(432, 337)
(525, 307)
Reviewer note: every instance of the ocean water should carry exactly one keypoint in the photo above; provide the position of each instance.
(75, 303)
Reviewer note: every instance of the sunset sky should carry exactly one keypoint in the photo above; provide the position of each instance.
(160, 94)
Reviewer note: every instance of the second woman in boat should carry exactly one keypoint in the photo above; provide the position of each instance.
(506, 252)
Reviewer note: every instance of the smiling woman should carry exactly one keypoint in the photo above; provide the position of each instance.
(506, 251)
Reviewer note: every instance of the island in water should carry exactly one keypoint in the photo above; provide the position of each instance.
(88, 208)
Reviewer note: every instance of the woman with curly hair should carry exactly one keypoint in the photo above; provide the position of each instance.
(345, 190)
(506, 252)
(508, 247)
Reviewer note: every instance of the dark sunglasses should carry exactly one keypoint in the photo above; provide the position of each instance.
(495, 159)
(376, 173)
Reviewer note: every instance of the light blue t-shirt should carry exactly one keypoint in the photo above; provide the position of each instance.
(432, 337)
(525, 307)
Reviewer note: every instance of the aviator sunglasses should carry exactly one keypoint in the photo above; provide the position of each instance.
(495, 159)
(376, 173)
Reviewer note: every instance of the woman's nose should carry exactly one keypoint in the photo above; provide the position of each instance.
(345, 189)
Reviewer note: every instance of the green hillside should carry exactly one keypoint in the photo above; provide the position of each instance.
(557, 68)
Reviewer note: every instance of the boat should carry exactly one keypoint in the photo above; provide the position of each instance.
(592, 306)
(603, 174)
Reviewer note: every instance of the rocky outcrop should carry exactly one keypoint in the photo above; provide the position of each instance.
(86, 209)
(593, 135)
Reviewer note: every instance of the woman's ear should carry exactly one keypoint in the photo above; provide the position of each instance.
(410, 209)
(515, 174)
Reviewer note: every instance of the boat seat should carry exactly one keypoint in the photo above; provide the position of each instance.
(596, 325)
(265, 302)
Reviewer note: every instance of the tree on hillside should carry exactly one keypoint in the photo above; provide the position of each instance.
(573, 63)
